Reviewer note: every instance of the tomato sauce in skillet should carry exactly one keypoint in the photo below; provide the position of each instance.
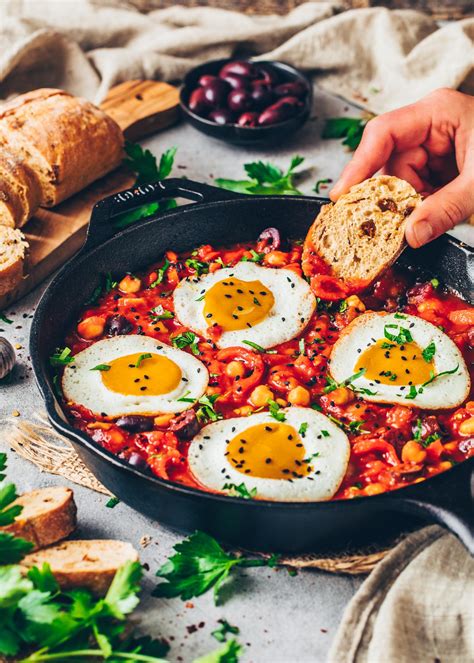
(391, 445)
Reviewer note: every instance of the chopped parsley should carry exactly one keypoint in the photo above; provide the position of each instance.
(186, 338)
(418, 432)
(259, 348)
(207, 411)
(240, 490)
(325, 433)
(106, 284)
(223, 629)
(255, 257)
(160, 313)
(112, 502)
(101, 367)
(303, 428)
(275, 411)
(160, 274)
(429, 352)
(141, 358)
(3, 318)
(430, 439)
(356, 426)
(62, 357)
(400, 336)
(312, 457)
(198, 266)
(332, 385)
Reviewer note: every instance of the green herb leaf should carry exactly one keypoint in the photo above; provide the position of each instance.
(349, 128)
(3, 318)
(438, 375)
(220, 633)
(160, 274)
(186, 338)
(160, 313)
(141, 358)
(198, 266)
(198, 565)
(256, 257)
(101, 367)
(400, 335)
(435, 283)
(318, 184)
(259, 348)
(430, 439)
(412, 393)
(112, 502)
(429, 352)
(240, 490)
(303, 428)
(228, 653)
(325, 433)
(275, 411)
(62, 357)
(332, 384)
(265, 179)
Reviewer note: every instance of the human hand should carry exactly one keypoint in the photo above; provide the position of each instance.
(431, 145)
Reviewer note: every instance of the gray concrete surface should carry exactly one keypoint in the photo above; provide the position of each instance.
(282, 619)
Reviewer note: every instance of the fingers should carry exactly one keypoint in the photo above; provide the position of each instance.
(441, 211)
(399, 130)
(409, 166)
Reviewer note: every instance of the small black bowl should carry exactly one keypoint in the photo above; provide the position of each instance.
(233, 133)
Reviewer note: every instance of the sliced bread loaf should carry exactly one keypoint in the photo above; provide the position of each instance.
(20, 191)
(48, 515)
(89, 564)
(12, 255)
(363, 233)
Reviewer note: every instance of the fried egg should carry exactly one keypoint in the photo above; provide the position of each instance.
(303, 458)
(134, 375)
(250, 303)
(398, 358)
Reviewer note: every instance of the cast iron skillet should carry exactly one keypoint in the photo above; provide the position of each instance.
(221, 217)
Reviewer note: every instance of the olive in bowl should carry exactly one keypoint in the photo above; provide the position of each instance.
(245, 102)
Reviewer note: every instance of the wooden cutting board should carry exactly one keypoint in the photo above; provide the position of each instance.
(54, 235)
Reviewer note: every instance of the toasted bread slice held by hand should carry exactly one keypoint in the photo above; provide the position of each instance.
(48, 515)
(363, 233)
(89, 564)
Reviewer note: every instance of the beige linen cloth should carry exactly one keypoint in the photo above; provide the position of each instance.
(377, 58)
(417, 606)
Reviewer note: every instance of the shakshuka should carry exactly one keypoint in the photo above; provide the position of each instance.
(227, 370)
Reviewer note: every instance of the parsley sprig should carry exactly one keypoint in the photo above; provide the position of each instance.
(240, 490)
(276, 411)
(429, 352)
(143, 164)
(265, 179)
(349, 128)
(198, 565)
(397, 333)
(12, 548)
(186, 338)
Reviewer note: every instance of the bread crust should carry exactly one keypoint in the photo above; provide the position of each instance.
(12, 256)
(363, 233)
(20, 191)
(67, 141)
(49, 515)
(90, 564)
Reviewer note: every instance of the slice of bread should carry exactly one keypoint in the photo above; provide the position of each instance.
(89, 564)
(20, 191)
(49, 515)
(12, 256)
(363, 233)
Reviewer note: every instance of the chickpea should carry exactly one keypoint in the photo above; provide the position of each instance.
(413, 452)
(261, 395)
(354, 302)
(92, 327)
(163, 420)
(275, 258)
(235, 369)
(281, 402)
(130, 284)
(243, 411)
(341, 396)
(299, 396)
(374, 489)
(467, 427)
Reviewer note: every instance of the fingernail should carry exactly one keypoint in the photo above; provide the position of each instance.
(423, 232)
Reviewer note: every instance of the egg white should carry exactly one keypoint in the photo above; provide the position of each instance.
(207, 460)
(84, 386)
(445, 392)
(293, 307)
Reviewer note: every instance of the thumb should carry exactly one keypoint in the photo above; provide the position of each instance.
(440, 212)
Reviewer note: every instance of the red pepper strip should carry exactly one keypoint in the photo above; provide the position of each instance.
(328, 287)
(363, 446)
(253, 363)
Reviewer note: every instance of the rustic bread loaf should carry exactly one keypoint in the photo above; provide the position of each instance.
(48, 515)
(363, 233)
(20, 191)
(67, 141)
(90, 564)
(12, 256)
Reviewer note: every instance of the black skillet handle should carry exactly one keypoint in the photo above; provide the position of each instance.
(447, 500)
(101, 227)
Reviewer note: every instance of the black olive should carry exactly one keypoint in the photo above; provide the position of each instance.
(135, 423)
(118, 325)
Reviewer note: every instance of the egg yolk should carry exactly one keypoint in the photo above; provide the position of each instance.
(153, 376)
(269, 451)
(235, 304)
(389, 363)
